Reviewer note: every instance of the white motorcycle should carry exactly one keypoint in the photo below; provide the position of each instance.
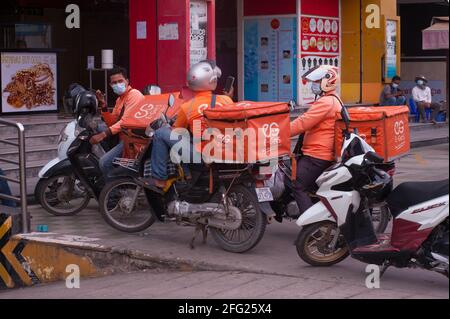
(339, 225)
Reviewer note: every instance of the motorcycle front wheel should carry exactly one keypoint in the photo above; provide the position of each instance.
(124, 206)
(315, 245)
(62, 195)
(252, 227)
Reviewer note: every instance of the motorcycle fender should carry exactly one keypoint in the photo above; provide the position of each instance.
(54, 167)
(316, 213)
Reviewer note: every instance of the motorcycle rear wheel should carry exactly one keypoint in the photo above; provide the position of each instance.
(253, 224)
(114, 198)
(321, 255)
(46, 193)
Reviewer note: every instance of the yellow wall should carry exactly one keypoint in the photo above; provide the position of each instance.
(373, 50)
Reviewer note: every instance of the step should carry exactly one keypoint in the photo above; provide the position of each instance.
(40, 138)
(33, 152)
(38, 124)
(427, 126)
(32, 168)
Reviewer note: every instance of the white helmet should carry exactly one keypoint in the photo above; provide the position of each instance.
(204, 76)
(329, 76)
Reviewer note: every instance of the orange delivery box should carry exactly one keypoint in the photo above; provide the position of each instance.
(139, 118)
(246, 132)
(385, 128)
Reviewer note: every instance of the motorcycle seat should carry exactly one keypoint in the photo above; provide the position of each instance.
(409, 194)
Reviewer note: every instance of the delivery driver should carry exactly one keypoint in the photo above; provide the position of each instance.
(202, 78)
(128, 98)
(317, 125)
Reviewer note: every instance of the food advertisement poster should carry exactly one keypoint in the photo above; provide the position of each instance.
(270, 50)
(28, 82)
(320, 45)
(199, 22)
(391, 49)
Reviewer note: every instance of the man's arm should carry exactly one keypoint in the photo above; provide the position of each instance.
(415, 94)
(428, 92)
(312, 117)
(182, 120)
(387, 92)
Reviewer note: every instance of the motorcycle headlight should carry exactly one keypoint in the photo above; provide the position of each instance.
(149, 131)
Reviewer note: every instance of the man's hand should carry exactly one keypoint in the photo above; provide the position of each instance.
(98, 138)
(100, 98)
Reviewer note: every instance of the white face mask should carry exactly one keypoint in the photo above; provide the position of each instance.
(394, 85)
(119, 88)
(315, 88)
(420, 82)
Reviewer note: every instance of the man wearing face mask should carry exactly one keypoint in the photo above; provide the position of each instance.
(317, 125)
(421, 94)
(202, 79)
(128, 98)
(391, 94)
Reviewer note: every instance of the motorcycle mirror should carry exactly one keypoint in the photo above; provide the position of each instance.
(171, 101)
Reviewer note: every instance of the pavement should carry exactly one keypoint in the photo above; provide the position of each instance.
(271, 270)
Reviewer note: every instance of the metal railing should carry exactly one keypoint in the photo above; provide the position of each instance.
(22, 181)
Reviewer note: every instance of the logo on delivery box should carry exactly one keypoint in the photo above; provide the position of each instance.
(399, 134)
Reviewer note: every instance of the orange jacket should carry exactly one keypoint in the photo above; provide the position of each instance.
(318, 125)
(193, 109)
(130, 99)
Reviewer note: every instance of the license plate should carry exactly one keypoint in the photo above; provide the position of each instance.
(264, 194)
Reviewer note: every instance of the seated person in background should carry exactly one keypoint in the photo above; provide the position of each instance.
(421, 94)
(391, 94)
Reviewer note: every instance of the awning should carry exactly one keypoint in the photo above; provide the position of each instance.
(436, 36)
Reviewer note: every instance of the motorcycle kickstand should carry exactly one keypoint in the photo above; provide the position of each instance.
(384, 267)
(198, 228)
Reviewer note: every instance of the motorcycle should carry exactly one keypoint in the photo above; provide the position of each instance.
(63, 189)
(60, 190)
(227, 199)
(339, 224)
(285, 206)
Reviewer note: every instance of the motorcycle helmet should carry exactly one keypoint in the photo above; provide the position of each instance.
(85, 103)
(69, 97)
(204, 76)
(327, 75)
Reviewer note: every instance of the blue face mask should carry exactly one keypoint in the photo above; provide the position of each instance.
(420, 82)
(315, 88)
(119, 88)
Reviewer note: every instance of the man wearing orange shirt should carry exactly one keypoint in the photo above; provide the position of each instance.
(317, 125)
(202, 79)
(128, 98)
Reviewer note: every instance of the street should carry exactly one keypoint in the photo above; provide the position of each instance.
(271, 270)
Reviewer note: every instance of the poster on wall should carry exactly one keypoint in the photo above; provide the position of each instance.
(28, 82)
(270, 51)
(391, 49)
(320, 45)
(198, 31)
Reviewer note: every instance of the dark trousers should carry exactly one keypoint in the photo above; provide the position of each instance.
(308, 170)
(436, 107)
(5, 190)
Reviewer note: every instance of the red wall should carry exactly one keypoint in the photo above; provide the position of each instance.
(269, 7)
(143, 55)
(328, 8)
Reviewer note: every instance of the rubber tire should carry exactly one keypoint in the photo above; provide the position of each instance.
(301, 242)
(39, 196)
(111, 222)
(260, 226)
(385, 217)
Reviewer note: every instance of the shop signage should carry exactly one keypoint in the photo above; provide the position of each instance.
(28, 82)
(391, 49)
(198, 31)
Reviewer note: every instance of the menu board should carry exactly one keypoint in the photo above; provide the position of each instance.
(270, 59)
(198, 31)
(28, 82)
(320, 45)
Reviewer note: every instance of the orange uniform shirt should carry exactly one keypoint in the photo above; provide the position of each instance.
(129, 100)
(318, 125)
(193, 109)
